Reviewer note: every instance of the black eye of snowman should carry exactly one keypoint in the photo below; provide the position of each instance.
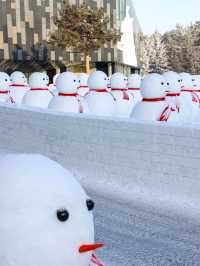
(179, 80)
(74, 80)
(105, 78)
(162, 83)
(193, 79)
(167, 83)
(43, 78)
(90, 204)
(62, 215)
(6, 80)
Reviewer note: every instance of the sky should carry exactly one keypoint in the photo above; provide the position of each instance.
(163, 15)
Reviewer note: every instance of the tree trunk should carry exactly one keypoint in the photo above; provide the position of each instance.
(87, 63)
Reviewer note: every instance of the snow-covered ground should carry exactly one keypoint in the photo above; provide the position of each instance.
(140, 235)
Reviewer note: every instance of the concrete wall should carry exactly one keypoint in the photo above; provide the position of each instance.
(154, 163)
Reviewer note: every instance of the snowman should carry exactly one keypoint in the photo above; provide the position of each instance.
(67, 100)
(134, 85)
(196, 95)
(4, 87)
(39, 94)
(173, 84)
(188, 97)
(19, 87)
(99, 100)
(52, 87)
(124, 101)
(153, 106)
(83, 88)
(46, 216)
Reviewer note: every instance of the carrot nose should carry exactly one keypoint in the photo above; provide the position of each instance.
(87, 248)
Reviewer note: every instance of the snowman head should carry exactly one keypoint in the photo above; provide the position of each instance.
(153, 86)
(118, 81)
(46, 216)
(4, 81)
(38, 80)
(134, 81)
(18, 77)
(98, 80)
(67, 82)
(186, 80)
(173, 82)
(196, 82)
(83, 79)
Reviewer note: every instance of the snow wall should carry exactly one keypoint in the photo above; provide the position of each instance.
(152, 163)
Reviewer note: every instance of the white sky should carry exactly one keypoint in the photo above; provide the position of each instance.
(163, 15)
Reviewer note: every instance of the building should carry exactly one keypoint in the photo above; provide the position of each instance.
(26, 24)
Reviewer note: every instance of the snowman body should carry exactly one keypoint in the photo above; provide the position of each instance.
(19, 87)
(4, 87)
(66, 100)
(189, 106)
(39, 94)
(134, 85)
(173, 85)
(48, 220)
(153, 106)
(196, 92)
(123, 100)
(99, 100)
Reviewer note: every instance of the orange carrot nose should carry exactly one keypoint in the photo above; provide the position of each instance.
(87, 248)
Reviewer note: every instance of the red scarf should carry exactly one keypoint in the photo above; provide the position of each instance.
(18, 85)
(81, 109)
(4, 92)
(99, 90)
(175, 94)
(95, 261)
(195, 96)
(134, 89)
(67, 94)
(165, 113)
(83, 87)
(161, 99)
(39, 89)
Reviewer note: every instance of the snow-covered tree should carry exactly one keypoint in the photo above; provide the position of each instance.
(194, 39)
(154, 56)
(144, 60)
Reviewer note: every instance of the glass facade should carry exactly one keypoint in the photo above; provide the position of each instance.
(26, 24)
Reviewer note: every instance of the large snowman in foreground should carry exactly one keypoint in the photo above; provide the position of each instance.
(46, 216)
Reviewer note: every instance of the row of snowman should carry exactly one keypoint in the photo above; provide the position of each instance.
(167, 97)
